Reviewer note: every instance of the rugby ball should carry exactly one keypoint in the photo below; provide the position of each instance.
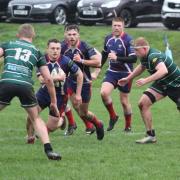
(58, 71)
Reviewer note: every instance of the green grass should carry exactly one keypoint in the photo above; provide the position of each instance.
(117, 157)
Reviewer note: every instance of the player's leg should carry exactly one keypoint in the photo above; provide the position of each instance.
(91, 117)
(53, 122)
(31, 136)
(125, 102)
(71, 122)
(38, 124)
(106, 90)
(43, 100)
(69, 115)
(86, 95)
(174, 94)
(149, 97)
(29, 103)
(124, 99)
(41, 130)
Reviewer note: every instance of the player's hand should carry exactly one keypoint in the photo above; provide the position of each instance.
(140, 82)
(77, 57)
(54, 110)
(112, 56)
(95, 73)
(77, 100)
(123, 81)
(61, 77)
(41, 79)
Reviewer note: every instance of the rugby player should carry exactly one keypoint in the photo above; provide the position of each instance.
(56, 62)
(119, 51)
(85, 57)
(165, 79)
(20, 56)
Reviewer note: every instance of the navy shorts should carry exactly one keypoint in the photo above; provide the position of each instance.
(44, 100)
(113, 77)
(85, 93)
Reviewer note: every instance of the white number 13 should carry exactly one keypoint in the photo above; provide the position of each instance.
(22, 54)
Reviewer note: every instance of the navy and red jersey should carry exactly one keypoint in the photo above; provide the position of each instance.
(85, 52)
(66, 64)
(122, 46)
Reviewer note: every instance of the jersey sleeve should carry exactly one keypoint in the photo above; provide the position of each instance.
(155, 60)
(90, 50)
(73, 68)
(41, 60)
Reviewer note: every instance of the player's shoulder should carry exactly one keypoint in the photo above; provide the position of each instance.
(83, 43)
(154, 55)
(84, 46)
(127, 37)
(109, 36)
(64, 44)
(64, 58)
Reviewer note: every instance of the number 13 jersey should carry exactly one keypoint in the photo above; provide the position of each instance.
(19, 59)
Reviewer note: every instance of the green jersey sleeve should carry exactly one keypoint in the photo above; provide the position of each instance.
(41, 60)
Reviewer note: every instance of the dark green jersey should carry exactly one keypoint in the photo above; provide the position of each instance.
(19, 59)
(153, 59)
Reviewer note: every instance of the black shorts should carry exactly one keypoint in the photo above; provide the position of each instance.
(174, 94)
(25, 94)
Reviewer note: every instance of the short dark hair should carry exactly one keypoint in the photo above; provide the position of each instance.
(53, 40)
(68, 27)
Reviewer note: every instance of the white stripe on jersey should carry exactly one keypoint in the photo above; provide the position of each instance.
(15, 80)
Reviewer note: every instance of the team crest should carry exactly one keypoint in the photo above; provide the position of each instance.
(154, 60)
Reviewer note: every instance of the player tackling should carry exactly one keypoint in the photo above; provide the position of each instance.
(164, 74)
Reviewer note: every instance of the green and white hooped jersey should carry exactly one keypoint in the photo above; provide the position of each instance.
(19, 59)
(154, 57)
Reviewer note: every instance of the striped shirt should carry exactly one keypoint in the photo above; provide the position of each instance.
(19, 59)
(153, 58)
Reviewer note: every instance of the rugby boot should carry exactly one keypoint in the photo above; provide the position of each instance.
(112, 122)
(53, 156)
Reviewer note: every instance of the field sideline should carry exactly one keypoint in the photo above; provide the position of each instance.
(117, 157)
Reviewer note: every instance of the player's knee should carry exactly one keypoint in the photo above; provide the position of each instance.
(104, 94)
(83, 114)
(142, 105)
(124, 103)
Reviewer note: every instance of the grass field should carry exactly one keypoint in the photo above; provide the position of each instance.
(117, 157)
